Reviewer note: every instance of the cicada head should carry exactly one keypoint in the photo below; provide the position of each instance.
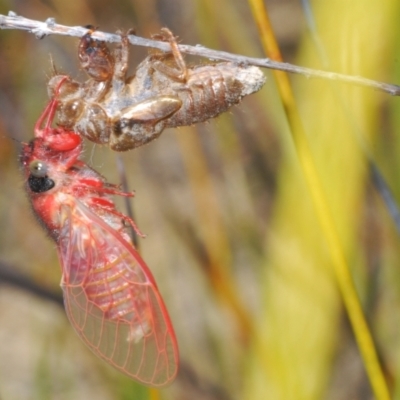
(50, 154)
(61, 150)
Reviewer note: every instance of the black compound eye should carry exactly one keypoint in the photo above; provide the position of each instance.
(40, 185)
(38, 180)
(38, 169)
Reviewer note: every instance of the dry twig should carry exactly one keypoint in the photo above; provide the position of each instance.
(50, 27)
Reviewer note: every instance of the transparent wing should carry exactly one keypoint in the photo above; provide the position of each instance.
(112, 300)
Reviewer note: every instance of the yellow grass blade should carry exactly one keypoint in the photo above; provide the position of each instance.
(326, 215)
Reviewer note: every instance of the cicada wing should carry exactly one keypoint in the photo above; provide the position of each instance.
(112, 300)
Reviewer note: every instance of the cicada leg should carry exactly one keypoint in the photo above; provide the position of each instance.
(121, 55)
(180, 73)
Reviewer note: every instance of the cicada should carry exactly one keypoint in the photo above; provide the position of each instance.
(128, 112)
(110, 295)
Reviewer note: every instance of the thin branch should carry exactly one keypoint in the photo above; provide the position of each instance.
(10, 274)
(49, 27)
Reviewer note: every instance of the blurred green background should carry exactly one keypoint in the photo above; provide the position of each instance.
(232, 235)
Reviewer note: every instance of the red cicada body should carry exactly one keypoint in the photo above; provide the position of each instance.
(110, 295)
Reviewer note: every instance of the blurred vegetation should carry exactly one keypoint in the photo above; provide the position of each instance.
(233, 237)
